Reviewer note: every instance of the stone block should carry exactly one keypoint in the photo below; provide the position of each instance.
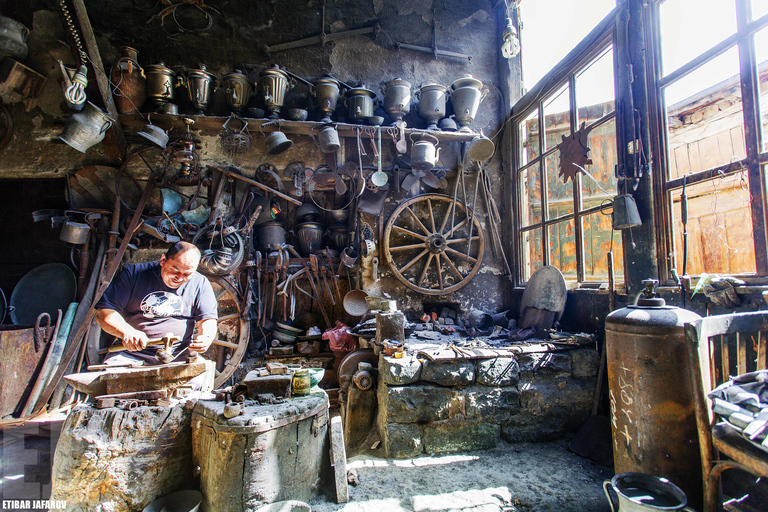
(545, 363)
(415, 403)
(390, 325)
(492, 404)
(454, 373)
(456, 435)
(550, 407)
(546, 425)
(499, 371)
(584, 362)
(540, 394)
(399, 371)
(401, 441)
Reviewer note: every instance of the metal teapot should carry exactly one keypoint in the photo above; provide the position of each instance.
(424, 154)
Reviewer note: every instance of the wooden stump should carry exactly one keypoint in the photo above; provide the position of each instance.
(111, 460)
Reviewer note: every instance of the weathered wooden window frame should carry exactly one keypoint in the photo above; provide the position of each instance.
(590, 48)
(755, 161)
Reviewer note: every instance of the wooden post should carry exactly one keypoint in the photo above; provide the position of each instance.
(115, 144)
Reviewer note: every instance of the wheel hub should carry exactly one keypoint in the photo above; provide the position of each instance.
(437, 243)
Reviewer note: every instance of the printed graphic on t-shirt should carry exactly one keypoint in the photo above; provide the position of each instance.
(161, 305)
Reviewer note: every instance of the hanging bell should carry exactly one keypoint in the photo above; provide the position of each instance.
(625, 214)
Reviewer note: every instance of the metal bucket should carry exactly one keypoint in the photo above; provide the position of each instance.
(85, 129)
(638, 492)
(653, 421)
(271, 234)
(310, 237)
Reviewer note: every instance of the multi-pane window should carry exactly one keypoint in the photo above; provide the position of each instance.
(704, 63)
(567, 223)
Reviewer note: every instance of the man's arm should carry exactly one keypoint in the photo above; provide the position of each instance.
(113, 323)
(206, 333)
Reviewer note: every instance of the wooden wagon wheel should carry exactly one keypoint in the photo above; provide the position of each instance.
(234, 331)
(427, 229)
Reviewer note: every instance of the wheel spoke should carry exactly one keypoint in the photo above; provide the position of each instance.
(225, 343)
(229, 317)
(407, 247)
(409, 232)
(455, 228)
(460, 240)
(453, 267)
(222, 293)
(414, 260)
(439, 274)
(462, 256)
(431, 215)
(421, 224)
(445, 219)
(424, 272)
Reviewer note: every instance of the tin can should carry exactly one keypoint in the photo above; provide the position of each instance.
(300, 384)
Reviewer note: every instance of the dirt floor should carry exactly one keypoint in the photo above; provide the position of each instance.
(523, 477)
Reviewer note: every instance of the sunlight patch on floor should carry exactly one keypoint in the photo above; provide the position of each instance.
(358, 462)
(477, 499)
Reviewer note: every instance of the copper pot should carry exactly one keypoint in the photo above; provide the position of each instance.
(130, 82)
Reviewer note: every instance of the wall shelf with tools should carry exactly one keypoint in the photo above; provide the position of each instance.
(216, 124)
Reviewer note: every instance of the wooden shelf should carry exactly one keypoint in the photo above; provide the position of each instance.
(215, 124)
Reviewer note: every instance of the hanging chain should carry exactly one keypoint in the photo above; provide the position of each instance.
(73, 31)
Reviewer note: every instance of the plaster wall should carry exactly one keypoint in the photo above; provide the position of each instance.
(236, 39)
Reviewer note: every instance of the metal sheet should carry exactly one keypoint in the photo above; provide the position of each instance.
(545, 290)
(43, 289)
(18, 366)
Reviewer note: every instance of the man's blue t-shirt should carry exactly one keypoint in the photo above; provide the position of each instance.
(139, 294)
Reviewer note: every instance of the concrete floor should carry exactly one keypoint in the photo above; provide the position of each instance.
(538, 477)
(512, 477)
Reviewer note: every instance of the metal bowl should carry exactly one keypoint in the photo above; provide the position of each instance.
(284, 337)
(182, 501)
(355, 304)
(297, 114)
(288, 329)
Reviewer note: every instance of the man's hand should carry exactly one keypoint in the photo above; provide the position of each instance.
(200, 344)
(134, 340)
(206, 331)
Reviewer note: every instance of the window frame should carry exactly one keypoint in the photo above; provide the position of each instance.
(755, 162)
(601, 39)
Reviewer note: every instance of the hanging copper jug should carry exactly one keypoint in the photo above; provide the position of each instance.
(129, 82)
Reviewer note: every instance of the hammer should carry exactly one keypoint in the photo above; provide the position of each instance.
(163, 354)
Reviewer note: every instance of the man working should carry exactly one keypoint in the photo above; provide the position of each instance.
(149, 300)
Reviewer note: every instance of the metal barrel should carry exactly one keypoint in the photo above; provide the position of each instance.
(651, 397)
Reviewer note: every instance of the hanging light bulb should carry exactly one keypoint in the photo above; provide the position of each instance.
(510, 45)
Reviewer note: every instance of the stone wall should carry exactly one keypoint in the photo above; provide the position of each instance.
(463, 404)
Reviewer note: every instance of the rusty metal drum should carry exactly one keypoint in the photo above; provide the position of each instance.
(651, 398)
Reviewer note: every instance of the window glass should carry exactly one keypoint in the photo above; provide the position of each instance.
(562, 248)
(559, 193)
(690, 27)
(599, 240)
(720, 238)
(594, 88)
(759, 9)
(557, 117)
(704, 117)
(530, 186)
(551, 29)
(529, 137)
(602, 185)
(761, 49)
(532, 256)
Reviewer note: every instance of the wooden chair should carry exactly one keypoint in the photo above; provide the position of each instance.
(710, 343)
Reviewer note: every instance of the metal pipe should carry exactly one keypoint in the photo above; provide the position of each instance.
(261, 186)
(434, 51)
